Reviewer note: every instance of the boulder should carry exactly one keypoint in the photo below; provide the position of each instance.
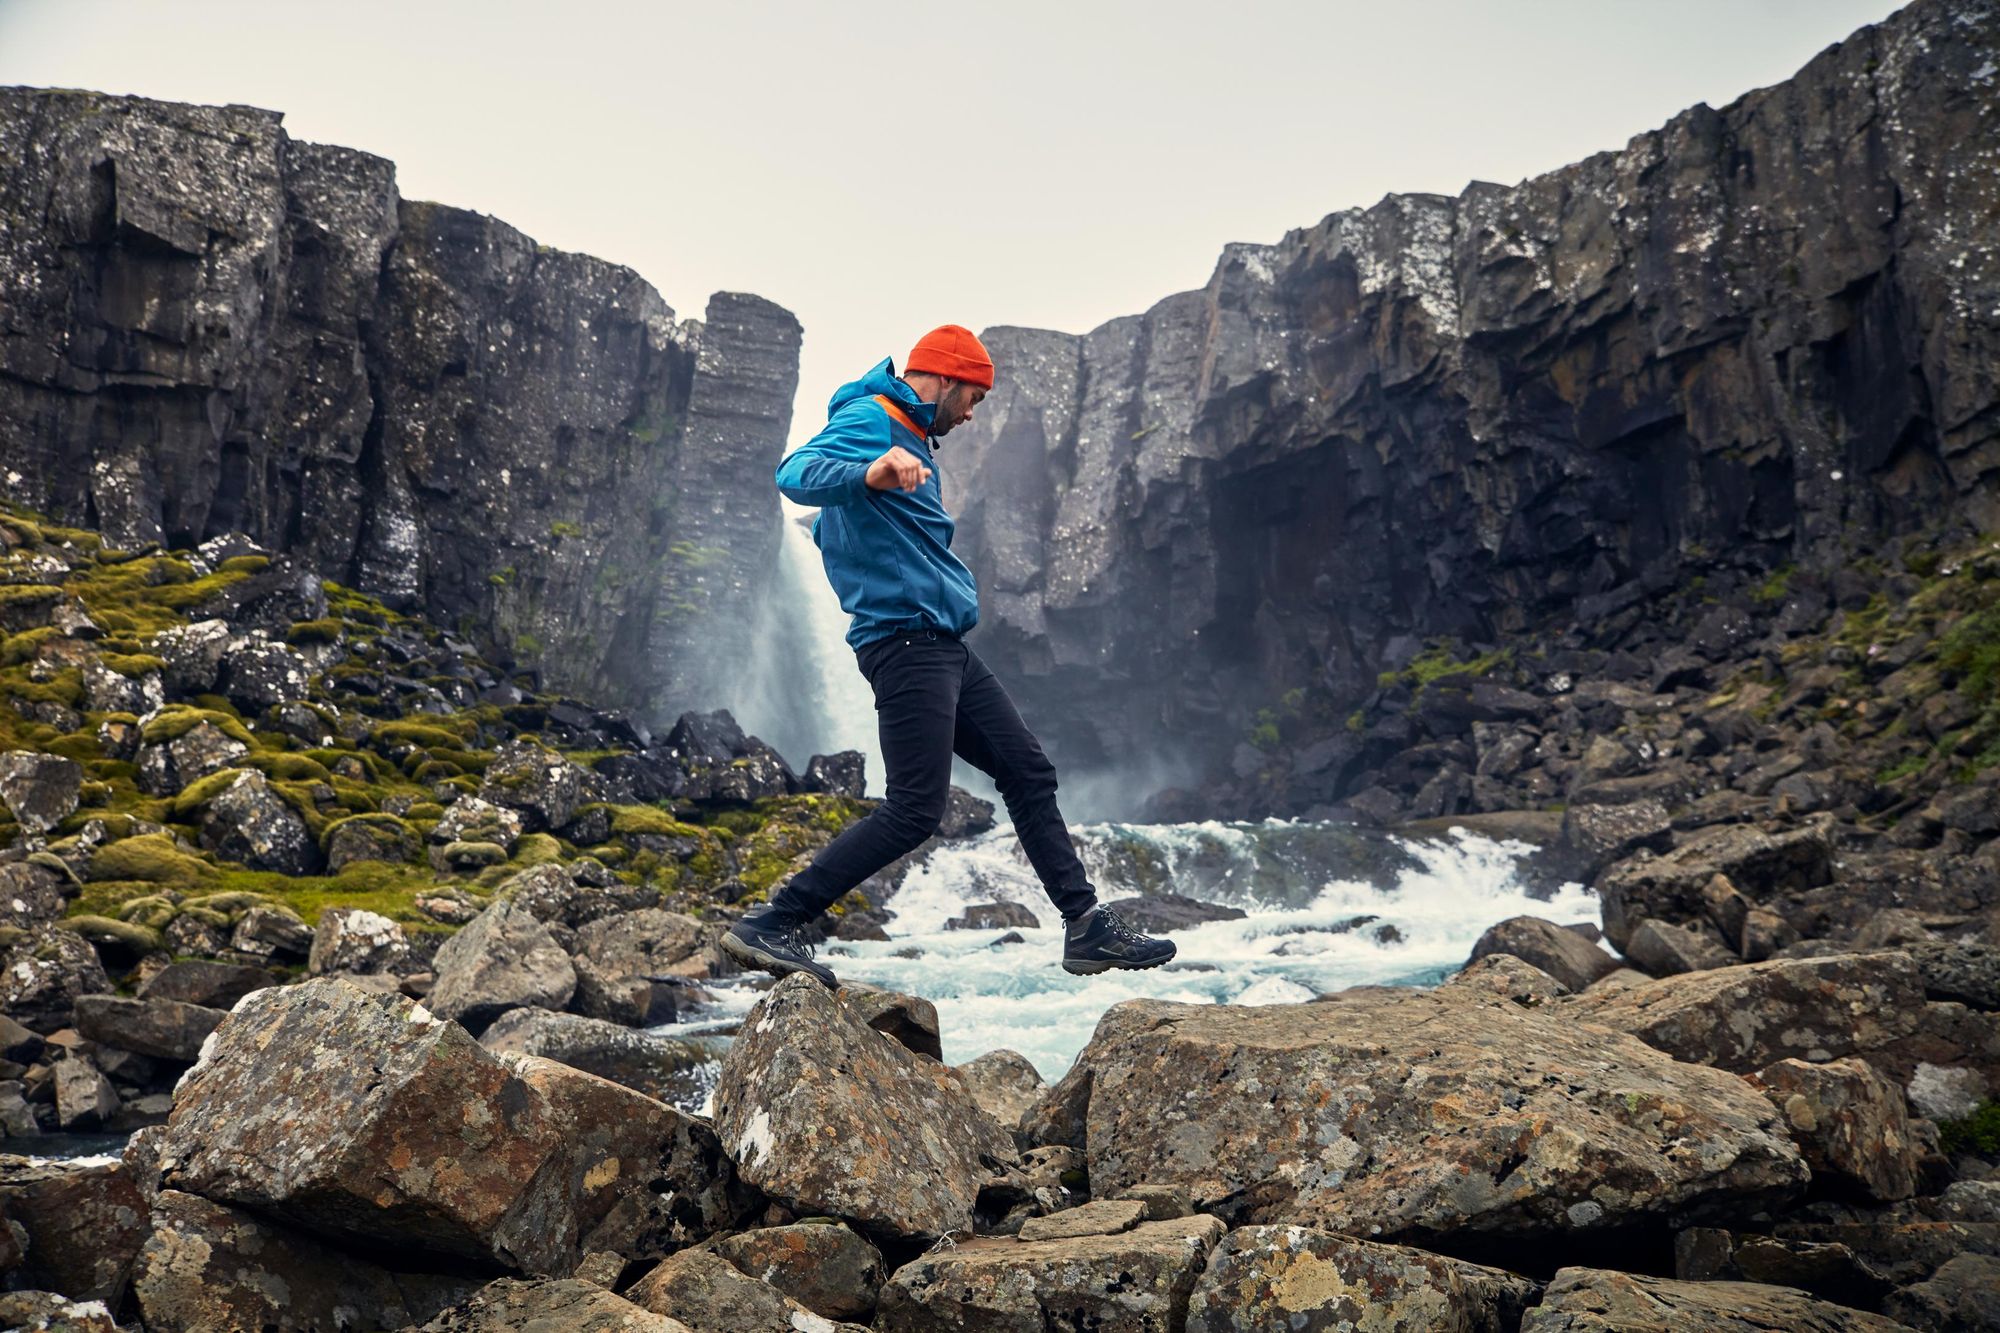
(723, 764)
(1665, 949)
(1503, 977)
(909, 1019)
(470, 819)
(85, 1224)
(353, 939)
(1669, 887)
(42, 975)
(169, 1029)
(1268, 1277)
(167, 766)
(85, 1099)
(274, 932)
(1154, 913)
(1403, 1114)
(209, 1266)
(212, 985)
(994, 916)
(250, 823)
(644, 1179)
(374, 837)
(828, 1268)
(711, 1295)
(1137, 1279)
(659, 1067)
(842, 774)
(645, 943)
(1830, 1271)
(827, 1115)
(1964, 1293)
(362, 1117)
(1851, 1123)
(545, 787)
(40, 790)
(549, 1305)
(193, 654)
(505, 959)
(1556, 950)
(1099, 1217)
(32, 895)
(258, 674)
(1580, 1299)
(1744, 1018)
(1004, 1083)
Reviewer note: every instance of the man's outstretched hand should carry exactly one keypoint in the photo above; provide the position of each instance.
(899, 468)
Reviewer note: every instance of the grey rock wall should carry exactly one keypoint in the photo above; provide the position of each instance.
(1759, 335)
(211, 326)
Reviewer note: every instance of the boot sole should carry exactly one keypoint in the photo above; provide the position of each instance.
(750, 956)
(1082, 968)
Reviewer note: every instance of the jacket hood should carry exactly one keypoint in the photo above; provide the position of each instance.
(882, 379)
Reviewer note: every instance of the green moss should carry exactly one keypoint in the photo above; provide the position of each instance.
(1438, 662)
(646, 819)
(424, 735)
(1777, 586)
(109, 930)
(177, 720)
(1978, 1132)
(18, 648)
(314, 631)
(535, 849)
(27, 594)
(134, 665)
(153, 858)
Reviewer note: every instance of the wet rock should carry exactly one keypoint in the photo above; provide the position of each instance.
(250, 823)
(505, 959)
(893, 1142)
(84, 1224)
(1669, 887)
(711, 1295)
(44, 973)
(512, 1305)
(1327, 1114)
(1744, 1018)
(353, 939)
(1664, 949)
(364, 1118)
(1563, 954)
(910, 1020)
(1851, 1123)
(1266, 1277)
(1153, 913)
(1592, 1298)
(1138, 1279)
(965, 815)
(1004, 1083)
(828, 1268)
(659, 1067)
(169, 1029)
(40, 790)
(209, 1266)
(540, 783)
(994, 916)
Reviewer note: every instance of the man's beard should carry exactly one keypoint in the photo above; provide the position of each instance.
(947, 415)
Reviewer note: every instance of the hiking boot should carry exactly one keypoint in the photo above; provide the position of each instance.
(1099, 940)
(765, 940)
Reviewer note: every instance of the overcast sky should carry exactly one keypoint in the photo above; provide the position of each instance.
(883, 168)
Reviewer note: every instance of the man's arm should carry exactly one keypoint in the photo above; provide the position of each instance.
(832, 467)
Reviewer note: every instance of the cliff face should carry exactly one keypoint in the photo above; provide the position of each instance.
(213, 327)
(1763, 335)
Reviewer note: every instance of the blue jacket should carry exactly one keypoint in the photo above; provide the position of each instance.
(887, 553)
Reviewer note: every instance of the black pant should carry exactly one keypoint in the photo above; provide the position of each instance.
(934, 698)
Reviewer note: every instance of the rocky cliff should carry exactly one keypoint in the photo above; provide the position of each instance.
(214, 327)
(1758, 336)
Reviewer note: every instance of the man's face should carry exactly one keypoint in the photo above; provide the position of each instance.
(955, 404)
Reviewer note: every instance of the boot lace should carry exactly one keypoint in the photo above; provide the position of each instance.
(796, 939)
(1123, 933)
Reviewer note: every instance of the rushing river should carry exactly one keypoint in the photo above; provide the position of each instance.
(1326, 906)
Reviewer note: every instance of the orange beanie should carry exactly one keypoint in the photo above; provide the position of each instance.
(953, 352)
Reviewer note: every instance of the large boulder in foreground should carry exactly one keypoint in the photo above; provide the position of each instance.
(1746, 1017)
(364, 1118)
(559, 1305)
(1587, 1300)
(1139, 1279)
(1396, 1113)
(827, 1115)
(711, 1295)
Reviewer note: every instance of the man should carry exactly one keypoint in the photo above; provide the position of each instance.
(885, 539)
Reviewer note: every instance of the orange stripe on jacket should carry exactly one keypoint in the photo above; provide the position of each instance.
(889, 406)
